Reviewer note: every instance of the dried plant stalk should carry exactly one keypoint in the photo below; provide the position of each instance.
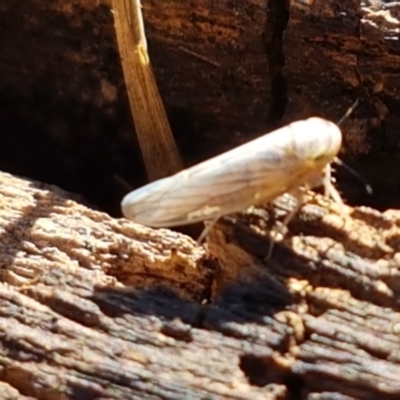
(159, 150)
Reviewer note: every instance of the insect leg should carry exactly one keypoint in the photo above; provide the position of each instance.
(208, 226)
(330, 190)
(298, 195)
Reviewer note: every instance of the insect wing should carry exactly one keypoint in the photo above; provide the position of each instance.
(255, 172)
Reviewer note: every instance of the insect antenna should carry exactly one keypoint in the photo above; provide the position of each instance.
(348, 112)
(368, 187)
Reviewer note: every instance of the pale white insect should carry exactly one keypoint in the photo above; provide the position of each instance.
(252, 174)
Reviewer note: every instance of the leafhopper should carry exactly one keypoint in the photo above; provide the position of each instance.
(297, 155)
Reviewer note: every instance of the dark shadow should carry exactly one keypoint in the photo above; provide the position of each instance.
(239, 303)
(347, 269)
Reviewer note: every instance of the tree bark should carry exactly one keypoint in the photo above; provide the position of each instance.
(97, 307)
(94, 307)
(228, 72)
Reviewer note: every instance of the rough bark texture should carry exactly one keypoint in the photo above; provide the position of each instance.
(94, 307)
(228, 71)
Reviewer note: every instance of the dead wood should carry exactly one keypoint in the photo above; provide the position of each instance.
(228, 71)
(159, 151)
(94, 307)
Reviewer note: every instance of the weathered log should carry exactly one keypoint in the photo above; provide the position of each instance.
(94, 307)
(228, 71)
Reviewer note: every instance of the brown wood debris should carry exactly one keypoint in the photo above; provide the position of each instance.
(159, 151)
(97, 307)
